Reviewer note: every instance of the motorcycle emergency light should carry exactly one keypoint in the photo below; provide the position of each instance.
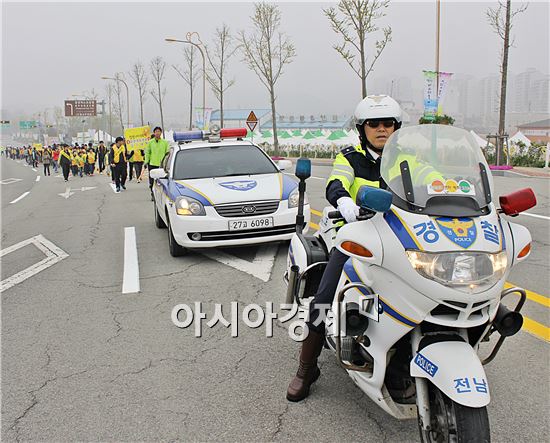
(303, 168)
(376, 199)
(519, 201)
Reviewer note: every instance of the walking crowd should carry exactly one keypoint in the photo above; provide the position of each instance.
(116, 160)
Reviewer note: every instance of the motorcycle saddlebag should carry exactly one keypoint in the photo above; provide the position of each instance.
(305, 250)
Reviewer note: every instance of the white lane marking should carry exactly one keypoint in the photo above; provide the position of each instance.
(545, 217)
(20, 197)
(67, 193)
(260, 268)
(53, 255)
(130, 280)
(35, 170)
(87, 188)
(9, 181)
(318, 178)
(37, 178)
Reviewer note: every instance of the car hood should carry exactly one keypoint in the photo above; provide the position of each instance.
(243, 188)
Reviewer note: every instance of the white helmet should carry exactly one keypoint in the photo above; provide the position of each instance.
(375, 107)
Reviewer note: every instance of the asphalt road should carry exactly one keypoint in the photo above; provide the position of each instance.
(81, 360)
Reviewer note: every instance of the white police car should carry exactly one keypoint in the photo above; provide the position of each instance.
(213, 192)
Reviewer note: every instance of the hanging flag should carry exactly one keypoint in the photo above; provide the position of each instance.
(430, 95)
(444, 79)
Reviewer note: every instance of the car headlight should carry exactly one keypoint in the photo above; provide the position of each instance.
(294, 197)
(466, 271)
(189, 206)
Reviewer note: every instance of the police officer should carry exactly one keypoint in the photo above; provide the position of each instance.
(156, 150)
(376, 117)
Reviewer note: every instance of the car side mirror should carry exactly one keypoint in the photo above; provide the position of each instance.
(375, 199)
(157, 173)
(284, 164)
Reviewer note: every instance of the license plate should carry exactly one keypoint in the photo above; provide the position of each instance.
(253, 223)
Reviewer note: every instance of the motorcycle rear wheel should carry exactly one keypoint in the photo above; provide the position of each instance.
(454, 423)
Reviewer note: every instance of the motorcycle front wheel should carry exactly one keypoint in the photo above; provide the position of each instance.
(453, 423)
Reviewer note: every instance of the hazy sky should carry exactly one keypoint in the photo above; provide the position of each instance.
(53, 50)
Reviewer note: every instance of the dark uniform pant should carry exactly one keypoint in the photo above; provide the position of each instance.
(327, 287)
(120, 171)
(66, 167)
(151, 181)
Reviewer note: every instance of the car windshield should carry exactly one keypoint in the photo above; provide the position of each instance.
(442, 161)
(221, 161)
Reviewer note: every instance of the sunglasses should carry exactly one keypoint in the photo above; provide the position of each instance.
(387, 123)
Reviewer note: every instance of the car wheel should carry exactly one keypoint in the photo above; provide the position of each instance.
(159, 222)
(176, 250)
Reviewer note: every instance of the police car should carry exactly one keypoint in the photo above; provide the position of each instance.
(216, 189)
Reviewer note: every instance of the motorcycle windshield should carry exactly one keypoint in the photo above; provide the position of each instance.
(436, 169)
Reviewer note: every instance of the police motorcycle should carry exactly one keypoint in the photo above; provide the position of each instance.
(424, 282)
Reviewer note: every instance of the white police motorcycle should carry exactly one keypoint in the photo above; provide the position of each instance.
(423, 285)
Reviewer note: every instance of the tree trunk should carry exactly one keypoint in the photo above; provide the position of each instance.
(160, 106)
(363, 71)
(274, 121)
(221, 109)
(503, 84)
(191, 103)
(141, 106)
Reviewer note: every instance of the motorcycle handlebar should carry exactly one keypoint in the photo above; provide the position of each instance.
(334, 215)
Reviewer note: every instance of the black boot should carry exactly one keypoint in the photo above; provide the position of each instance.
(308, 372)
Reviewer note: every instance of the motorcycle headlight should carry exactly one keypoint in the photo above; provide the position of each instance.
(189, 206)
(294, 197)
(466, 271)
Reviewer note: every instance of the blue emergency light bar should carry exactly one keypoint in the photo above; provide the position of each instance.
(188, 136)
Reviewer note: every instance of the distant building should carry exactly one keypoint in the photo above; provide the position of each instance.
(525, 89)
(538, 131)
(311, 122)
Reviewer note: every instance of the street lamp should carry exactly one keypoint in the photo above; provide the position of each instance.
(189, 40)
(118, 79)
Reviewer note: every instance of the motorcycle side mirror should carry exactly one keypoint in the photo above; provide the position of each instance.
(516, 202)
(375, 199)
(303, 168)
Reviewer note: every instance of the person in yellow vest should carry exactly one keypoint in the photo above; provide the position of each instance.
(74, 162)
(82, 162)
(118, 158)
(137, 156)
(65, 161)
(91, 161)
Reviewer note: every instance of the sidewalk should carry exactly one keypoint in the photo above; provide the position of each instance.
(533, 172)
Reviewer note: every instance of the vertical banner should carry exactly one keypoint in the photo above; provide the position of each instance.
(430, 95)
(444, 79)
(137, 137)
(202, 118)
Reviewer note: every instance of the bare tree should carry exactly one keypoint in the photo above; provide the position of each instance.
(218, 55)
(354, 20)
(500, 19)
(141, 80)
(190, 74)
(119, 99)
(158, 66)
(266, 51)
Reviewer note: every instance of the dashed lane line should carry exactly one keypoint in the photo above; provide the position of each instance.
(37, 178)
(21, 197)
(130, 279)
